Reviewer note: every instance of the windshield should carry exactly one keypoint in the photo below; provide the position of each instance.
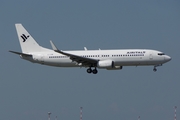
(161, 54)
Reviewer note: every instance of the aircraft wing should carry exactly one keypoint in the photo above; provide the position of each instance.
(79, 59)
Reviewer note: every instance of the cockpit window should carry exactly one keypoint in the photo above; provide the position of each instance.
(161, 54)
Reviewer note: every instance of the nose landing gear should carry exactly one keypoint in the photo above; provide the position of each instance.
(155, 69)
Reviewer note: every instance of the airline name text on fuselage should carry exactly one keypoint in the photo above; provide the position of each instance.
(135, 52)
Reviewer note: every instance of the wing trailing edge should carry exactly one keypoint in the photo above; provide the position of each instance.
(79, 59)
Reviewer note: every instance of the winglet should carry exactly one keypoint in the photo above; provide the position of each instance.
(53, 46)
(56, 49)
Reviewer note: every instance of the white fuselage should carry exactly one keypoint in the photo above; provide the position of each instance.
(124, 57)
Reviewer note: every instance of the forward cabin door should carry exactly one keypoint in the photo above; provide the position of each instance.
(151, 55)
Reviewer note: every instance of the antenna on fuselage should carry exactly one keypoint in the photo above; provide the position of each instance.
(85, 48)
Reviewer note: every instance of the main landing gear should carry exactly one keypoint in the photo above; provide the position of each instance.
(94, 71)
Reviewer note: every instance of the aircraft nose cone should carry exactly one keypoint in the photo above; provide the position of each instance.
(167, 58)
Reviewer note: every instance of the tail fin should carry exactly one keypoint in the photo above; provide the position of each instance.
(27, 43)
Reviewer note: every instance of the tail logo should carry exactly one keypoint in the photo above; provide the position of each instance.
(24, 37)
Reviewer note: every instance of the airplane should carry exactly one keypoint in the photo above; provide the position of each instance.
(114, 59)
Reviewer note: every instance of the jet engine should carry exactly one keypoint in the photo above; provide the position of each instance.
(108, 64)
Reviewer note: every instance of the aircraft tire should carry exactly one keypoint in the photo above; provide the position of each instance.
(95, 71)
(89, 70)
(154, 69)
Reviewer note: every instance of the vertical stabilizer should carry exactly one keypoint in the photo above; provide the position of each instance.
(27, 43)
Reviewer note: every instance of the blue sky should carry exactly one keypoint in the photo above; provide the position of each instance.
(28, 91)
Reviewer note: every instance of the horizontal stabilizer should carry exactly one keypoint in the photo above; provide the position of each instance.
(18, 53)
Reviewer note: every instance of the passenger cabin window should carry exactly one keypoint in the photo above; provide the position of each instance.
(161, 54)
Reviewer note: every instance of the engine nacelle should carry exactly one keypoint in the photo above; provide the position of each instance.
(105, 64)
(108, 64)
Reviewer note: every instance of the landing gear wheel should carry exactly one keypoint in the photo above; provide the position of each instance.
(154, 69)
(95, 71)
(89, 70)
